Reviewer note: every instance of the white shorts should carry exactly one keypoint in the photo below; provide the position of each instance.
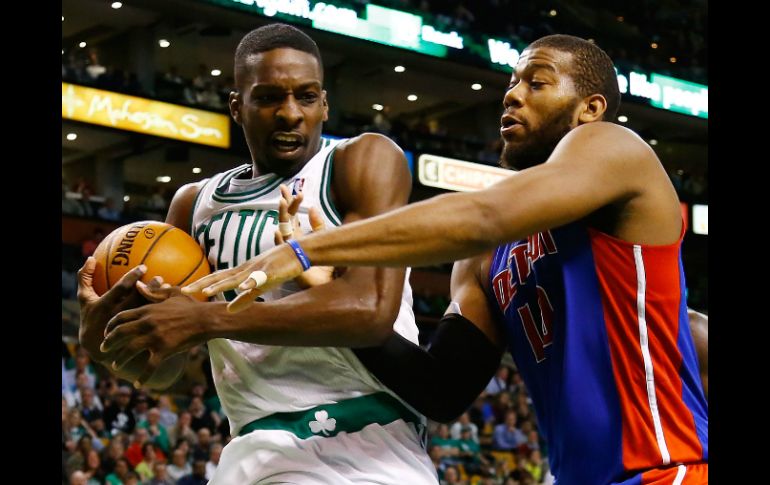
(385, 454)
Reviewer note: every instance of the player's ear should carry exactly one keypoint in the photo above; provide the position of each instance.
(592, 108)
(234, 103)
(325, 105)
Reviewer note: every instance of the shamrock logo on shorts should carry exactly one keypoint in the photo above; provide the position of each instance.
(322, 424)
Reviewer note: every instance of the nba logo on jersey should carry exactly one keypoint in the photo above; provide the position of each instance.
(297, 186)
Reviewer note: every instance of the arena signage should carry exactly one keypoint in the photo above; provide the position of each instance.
(457, 175)
(420, 33)
(700, 219)
(667, 92)
(146, 116)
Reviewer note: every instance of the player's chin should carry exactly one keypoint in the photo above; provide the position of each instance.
(284, 159)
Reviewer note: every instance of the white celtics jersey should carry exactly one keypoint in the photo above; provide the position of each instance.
(235, 219)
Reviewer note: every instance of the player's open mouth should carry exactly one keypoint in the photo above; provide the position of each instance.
(286, 142)
(508, 123)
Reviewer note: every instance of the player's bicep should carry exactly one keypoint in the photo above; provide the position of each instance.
(469, 296)
(592, 167)
(371, 177)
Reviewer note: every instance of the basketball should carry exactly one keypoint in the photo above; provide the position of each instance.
(167, 252)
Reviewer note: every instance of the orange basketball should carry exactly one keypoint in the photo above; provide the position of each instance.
(167, 251)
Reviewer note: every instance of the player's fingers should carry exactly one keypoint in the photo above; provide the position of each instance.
(154, 295)
(86, 291)
(317, 222)
(210, 281)
(295, 203)
(152, 364)
(244, 300)
(124, 356)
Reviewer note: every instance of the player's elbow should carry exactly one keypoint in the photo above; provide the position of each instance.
(376, 315)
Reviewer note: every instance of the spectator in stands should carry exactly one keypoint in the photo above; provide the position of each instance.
(141, 406)
(179, 466)
(200, 450)
(111, 454)
(131, 478)
(499, 383)
(160, 476)
(158, 199)
(78, 478)
(92, 468)
(145, 467)
(215, 452)
(198, 475)
(158, 433)
(89, 404)
(201, 417)
(89, 245)
(108, 211)
(94, 68)
(77, 460)
(69, 284)
(118, 416)
(470, 451)
(464, 421)
(68, 205)
(452, 477)
(507, 437)
(450, 449)
(168, 417)
(135, 451)
(501, 405)
(183, 430)
(534, 465)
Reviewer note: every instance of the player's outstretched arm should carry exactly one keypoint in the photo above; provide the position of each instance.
(594, 165)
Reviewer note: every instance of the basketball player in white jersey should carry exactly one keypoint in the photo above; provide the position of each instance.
(299, 413)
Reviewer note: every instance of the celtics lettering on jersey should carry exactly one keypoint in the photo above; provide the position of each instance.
(231, 233)
(516, 278)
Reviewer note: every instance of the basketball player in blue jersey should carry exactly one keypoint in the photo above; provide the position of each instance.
(573, 264)
(299, 413)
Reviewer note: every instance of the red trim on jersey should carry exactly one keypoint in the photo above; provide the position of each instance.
(617, 275)
(663, 302)
(695, 474)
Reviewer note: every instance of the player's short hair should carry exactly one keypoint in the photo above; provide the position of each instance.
(274, 36)
(592, 69)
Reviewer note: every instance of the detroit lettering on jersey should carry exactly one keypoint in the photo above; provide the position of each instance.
(507, 283)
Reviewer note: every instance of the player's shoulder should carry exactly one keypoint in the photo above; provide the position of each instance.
(189, 191)
(366, 141)
(609, 141)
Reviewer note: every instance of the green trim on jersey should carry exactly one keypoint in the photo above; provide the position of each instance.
(325, 191)
(226, 176)
(195, 205)
(236, 198)
(328, 420)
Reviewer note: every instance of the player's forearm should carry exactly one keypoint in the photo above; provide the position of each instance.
(420, 234)
(337, 314)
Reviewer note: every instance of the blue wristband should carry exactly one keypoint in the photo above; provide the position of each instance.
(303, 259)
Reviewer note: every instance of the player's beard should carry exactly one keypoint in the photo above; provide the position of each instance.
(539, 145)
